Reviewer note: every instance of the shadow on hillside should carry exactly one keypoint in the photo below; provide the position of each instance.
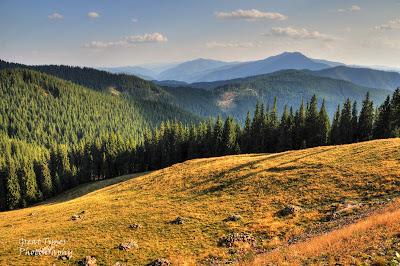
(87, 188)
(276, 168)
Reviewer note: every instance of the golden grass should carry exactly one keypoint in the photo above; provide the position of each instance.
(206, 191)
(371, 241)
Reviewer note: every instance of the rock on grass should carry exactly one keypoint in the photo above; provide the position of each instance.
(180, 220)
(88, 261)
(76, 217)
(234, 217)
(135, 226)
(128, 245)
(290, 209)
(235, 239)
(160, 262)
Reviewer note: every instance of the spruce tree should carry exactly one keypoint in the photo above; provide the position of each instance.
(229, 136)
(335, 131)
(45, 181)
(246, 140)
(257, 132)
(324, 126)
(299, 127)
(239, 136)
(193, 143)
(271, 131)
(382, 127)
(208, 140)
(13, 188)
(345, 125)
(218, 133)
(354, 122)
(366, 119)
(284, 131)
(30, 189)
(311, 123)
(395, 114)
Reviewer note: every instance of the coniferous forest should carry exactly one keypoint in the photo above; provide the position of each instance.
(55, 134)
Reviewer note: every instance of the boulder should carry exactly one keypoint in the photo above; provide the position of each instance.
(135, 226)
(128, 245)
(76, 217)
(160, 262)
(65, 257)
(88, 261)
(234, 217)
(347, 208)
(290, 209)
(235, 239)
(180, 220)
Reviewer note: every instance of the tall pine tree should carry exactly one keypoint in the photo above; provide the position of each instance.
(366, 120)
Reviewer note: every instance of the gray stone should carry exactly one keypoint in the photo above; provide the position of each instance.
(290, 209)
(135, 226)
(160, 262)
(65, 257)
(237, 238)
(234, 217)
(76, 217)
(180, 220)
(128, 245)
(88, 261)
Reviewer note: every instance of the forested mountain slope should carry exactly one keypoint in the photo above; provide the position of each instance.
(290, 86)
(127, 86)
(41, 109)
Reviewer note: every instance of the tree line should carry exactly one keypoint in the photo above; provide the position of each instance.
(31, 173)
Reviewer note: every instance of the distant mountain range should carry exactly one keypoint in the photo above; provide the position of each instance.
(198, 71)
(141, 72)
(206, 70)
(362, 76)
(271, 64)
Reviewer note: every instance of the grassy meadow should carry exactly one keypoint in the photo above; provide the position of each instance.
(205, 192)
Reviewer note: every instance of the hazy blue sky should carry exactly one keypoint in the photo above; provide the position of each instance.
(119, 33)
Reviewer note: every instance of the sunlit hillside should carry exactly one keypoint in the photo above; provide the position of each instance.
(371, 241)
(206, 192)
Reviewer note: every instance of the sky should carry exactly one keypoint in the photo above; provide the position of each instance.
(137, 32)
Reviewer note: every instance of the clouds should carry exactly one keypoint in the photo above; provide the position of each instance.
(129, 41)
(352, 8)
(155, 37)
(93, 15)
(106, 44)
(301, 34)
(394, 44)
(55, 16)
(355, 8)
(393, 24)
(229, 45)
(250, 15)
